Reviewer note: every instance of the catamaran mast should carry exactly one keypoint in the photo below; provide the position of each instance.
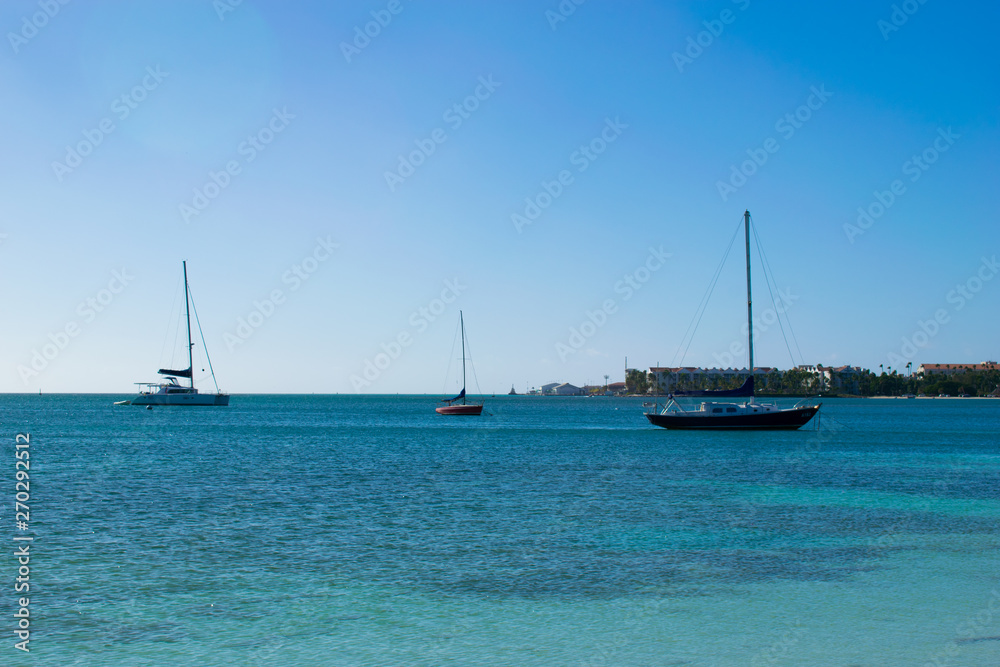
(187, 310)
(746, 225)
(461, 319)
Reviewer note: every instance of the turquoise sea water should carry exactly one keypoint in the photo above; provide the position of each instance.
(344, 530)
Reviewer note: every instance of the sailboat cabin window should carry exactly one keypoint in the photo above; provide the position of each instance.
(730, 409)
(715, 410)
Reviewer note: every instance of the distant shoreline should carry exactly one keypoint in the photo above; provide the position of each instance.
(943, 398)
(645, 397)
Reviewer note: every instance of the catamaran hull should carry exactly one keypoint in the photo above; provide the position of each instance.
(788, 420)
(182, 399)
(459, 410)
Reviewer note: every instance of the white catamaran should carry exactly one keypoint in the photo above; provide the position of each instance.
(170, 391)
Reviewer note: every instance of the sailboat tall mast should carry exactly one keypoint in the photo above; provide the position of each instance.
(745, 416)
(187, 311)
(461, 319)
(746, 225)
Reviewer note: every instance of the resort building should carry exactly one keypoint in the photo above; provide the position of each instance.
(846, 378)
(822, 373)
(560, 389)
(668, 378)
(611, 389)
(956, 369)
(828, 378)
(838, 378)
(616, 388)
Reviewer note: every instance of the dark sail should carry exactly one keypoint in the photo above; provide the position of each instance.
(450, 400)
(744, 391)
(181, 374)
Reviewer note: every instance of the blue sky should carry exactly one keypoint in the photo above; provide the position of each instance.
(670, 98)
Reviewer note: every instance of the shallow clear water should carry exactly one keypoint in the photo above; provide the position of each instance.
(345, 530)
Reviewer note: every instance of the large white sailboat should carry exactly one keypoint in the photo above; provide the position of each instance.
(170, 391)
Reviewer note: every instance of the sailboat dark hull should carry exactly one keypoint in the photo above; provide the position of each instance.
(788, 420)
(468, 409)
(463, 408)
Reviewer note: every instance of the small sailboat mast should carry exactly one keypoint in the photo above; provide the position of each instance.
(187, 313)
(746, 226)
(461, 319)
(453, 406)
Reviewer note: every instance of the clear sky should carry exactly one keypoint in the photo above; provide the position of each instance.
(264, 141)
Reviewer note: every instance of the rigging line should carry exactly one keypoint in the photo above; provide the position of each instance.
(840, 424)
(703, 307)
(166, 329)
(772, 284)
(768, 280)
(795, 340)
(692, 325)
(203, 345)
(475, 378)
(451, 360)
(700, 311)
(173, 349)
(767, 265)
